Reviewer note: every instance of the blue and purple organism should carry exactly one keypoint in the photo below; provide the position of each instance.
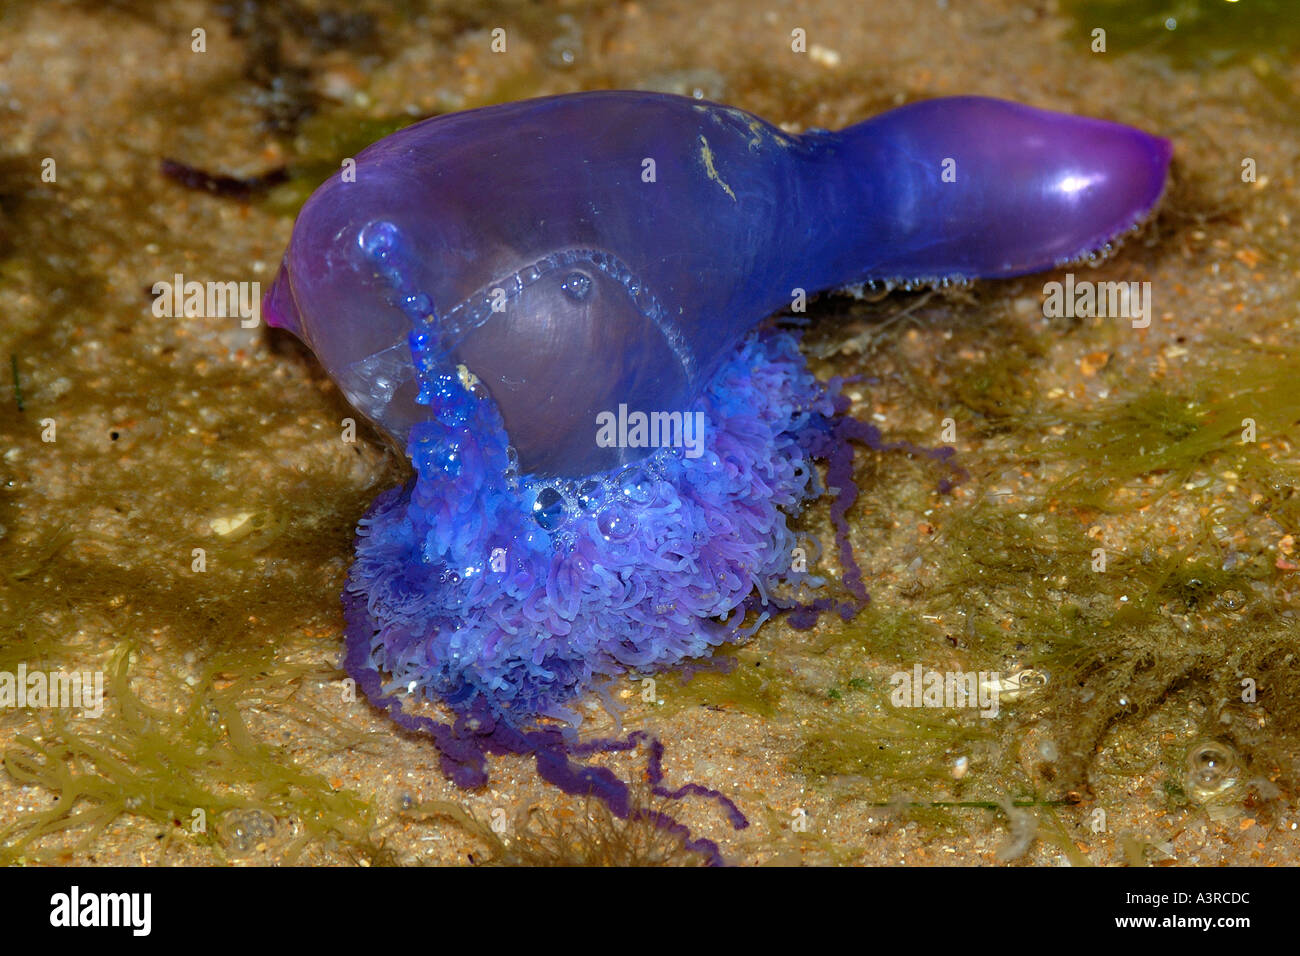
(558, 308)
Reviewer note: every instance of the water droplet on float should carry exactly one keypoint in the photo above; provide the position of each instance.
(448, 459)
(548, 508)
(378, 239)
(416, 306)
(615, 524)
(590, 494)
(576, 286)
(636, 485)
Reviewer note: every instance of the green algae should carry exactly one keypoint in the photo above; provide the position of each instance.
(322, 143)
(245, 615)
(1185, 605)
(751, 684)
(1158, 616)
(997, 386)
(1192, 33)
(1166, 435)
(902, 751)
(181, 767)
(99, 529)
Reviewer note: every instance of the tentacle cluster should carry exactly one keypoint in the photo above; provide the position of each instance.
(460, 592)
(480, 584)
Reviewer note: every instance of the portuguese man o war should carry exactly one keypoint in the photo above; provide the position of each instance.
(558, 307)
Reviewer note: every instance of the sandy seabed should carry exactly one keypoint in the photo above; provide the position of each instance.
(228, 732)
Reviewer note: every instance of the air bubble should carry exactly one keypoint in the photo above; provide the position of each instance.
(378, 240)
(448, 459)
(416, 306)
(576, 286)
(548, 508)
(246, 830)
(590, 494)
(1211, 768)
(635, 485)
(1017, 684)
(1232, 600)
(616, 525)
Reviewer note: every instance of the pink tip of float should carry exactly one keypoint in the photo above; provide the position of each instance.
(278, 308)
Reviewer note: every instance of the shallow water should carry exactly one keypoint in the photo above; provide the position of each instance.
(177, 506)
